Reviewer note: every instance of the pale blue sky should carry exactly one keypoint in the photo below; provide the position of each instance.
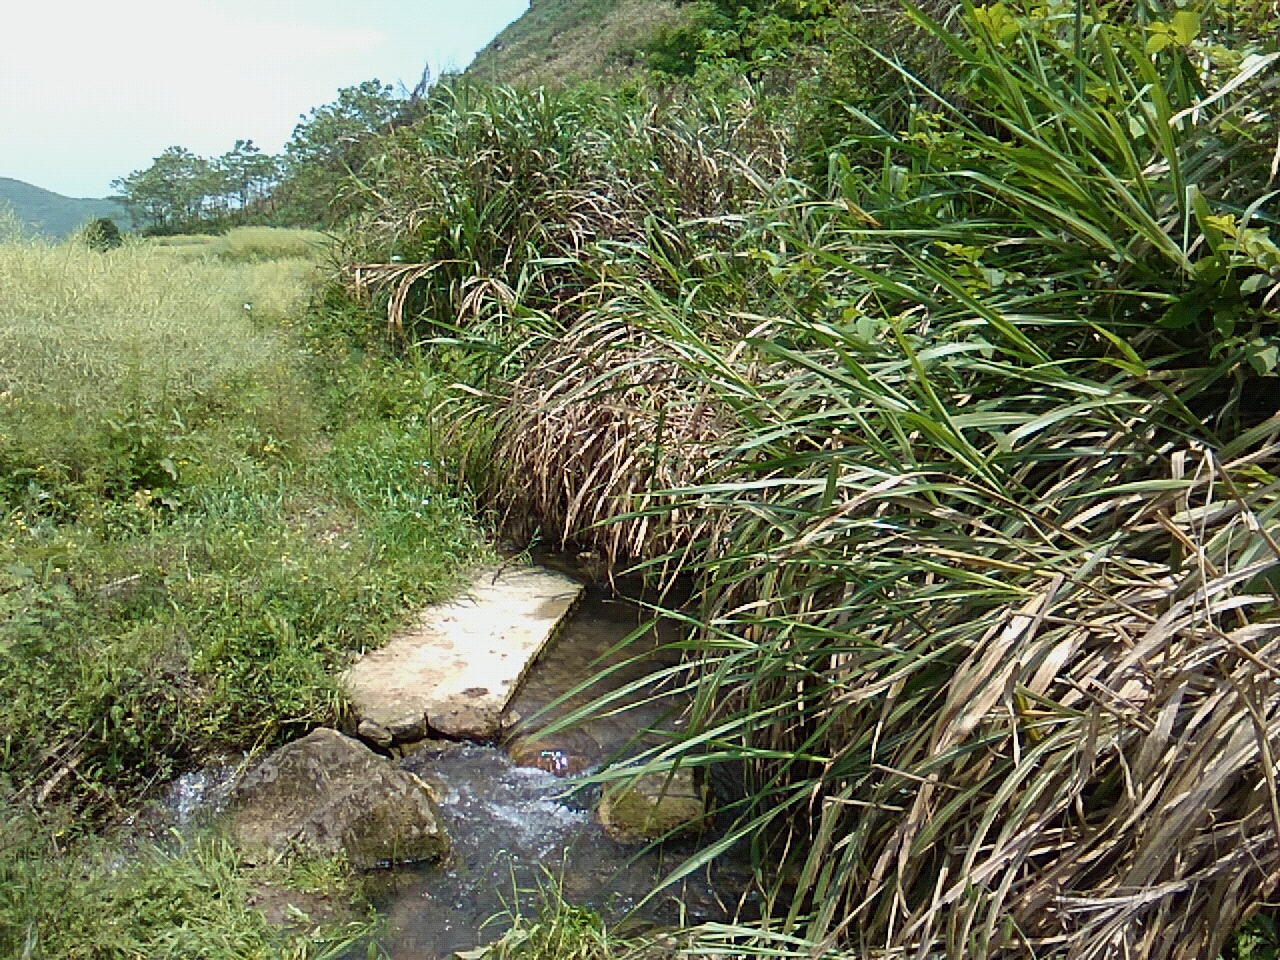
(92, 89)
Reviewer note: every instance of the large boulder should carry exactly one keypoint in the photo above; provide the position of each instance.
(654, 806)
(328, 793)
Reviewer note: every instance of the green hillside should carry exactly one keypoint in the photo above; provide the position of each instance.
(52, 214)
(562, 40)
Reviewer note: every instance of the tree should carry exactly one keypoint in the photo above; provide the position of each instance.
(332, 142)
(176, 189)
(250, 175)
(103, 234)
(182, 191)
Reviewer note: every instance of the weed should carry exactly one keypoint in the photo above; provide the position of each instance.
(559, 931)
(182, 898)
(209, 502)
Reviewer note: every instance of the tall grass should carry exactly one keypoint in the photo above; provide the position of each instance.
(103, 354)
(969, 446)
(988, 567)
(505, 218)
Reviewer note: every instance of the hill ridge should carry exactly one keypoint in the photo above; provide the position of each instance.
(558, 41)
(52, 214)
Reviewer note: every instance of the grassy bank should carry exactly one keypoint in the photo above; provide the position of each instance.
(210, 494)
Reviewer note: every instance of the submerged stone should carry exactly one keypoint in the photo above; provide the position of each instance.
(655, 806)
(454, 672)
(563, 763)
(328, 793)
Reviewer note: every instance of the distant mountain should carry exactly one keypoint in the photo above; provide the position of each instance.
(558, 41)
(53, 215)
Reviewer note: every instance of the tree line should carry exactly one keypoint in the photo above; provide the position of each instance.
(184, 192)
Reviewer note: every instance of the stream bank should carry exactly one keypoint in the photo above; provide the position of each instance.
(519, 812)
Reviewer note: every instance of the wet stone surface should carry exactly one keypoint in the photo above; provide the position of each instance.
(327, 793)
(654, 806)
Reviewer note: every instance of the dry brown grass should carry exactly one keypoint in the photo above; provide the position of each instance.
(552, 46)
(1096, 777)
(596, 430)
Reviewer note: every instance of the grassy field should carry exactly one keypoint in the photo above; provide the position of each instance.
(249, 244)
(210, 492)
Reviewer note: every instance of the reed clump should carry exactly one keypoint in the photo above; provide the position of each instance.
(966, 441)
(595, 429)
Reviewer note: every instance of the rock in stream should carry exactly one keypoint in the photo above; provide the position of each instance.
(655, 806)
(328, 793)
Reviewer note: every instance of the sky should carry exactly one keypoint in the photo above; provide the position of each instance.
(91, 90)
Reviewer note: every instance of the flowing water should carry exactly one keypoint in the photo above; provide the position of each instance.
(515, 826)
(518, 813)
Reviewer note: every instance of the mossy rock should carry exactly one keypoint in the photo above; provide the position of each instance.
(655, 806)
(328, 793)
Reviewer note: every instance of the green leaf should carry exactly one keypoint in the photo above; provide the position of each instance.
(1204, 217)
(1255, 283)
(1265, 356)
(1186, 26)
(1185, 312)
(1224, 321)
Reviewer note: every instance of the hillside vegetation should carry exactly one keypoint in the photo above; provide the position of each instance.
(51, 214)
(560, 41)
(940, 352)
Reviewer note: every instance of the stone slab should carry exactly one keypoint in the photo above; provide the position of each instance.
(454, 672)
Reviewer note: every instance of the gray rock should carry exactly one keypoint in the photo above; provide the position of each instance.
(375, 733)
(328, 793)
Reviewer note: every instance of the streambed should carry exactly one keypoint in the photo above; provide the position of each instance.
(515, 826)
(518, 814)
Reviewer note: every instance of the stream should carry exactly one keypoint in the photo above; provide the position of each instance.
(518, 814)
(517, 826)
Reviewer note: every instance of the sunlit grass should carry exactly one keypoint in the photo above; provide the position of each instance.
(209, 496)
(247, 243)
(183, 898)
(83, 330)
